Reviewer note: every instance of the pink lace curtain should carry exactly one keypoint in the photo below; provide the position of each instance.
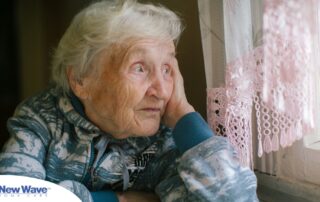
(271, 86)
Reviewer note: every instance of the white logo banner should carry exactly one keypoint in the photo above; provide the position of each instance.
(25, 189)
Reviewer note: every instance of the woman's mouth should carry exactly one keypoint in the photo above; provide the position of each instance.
(151, 109)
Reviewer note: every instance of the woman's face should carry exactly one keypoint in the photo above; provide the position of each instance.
(134, 85)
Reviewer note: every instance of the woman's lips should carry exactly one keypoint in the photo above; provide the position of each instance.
(151, 109)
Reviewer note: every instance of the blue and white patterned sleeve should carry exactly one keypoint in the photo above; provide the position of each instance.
(78, 189)
(208, 169)
(24, 153)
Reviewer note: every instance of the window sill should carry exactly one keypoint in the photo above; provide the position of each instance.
(272, 188)
(312, 142)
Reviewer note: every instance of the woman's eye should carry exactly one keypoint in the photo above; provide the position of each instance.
(138, 68)
(166, 70)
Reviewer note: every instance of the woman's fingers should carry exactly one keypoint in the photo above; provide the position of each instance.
(178, 104)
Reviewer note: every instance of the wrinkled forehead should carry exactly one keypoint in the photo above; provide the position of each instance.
(147, 46)
(118, 53)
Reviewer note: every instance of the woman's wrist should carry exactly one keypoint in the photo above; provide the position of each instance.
(175, 116)
(191, 130)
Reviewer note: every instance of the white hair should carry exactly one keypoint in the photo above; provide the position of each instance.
(103, 24)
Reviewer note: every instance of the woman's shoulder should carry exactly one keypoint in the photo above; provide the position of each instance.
(35, 114)
(41, 104)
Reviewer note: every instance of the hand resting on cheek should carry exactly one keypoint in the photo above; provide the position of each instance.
(178, 104)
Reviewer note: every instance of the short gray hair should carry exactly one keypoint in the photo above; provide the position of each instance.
(104, 23)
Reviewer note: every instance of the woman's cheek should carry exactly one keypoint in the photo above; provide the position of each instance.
(169, 87)
(124, 103)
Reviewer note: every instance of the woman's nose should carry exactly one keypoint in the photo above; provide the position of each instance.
(158, 87)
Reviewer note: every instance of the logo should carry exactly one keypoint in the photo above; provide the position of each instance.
(26, 189)
(23, 189)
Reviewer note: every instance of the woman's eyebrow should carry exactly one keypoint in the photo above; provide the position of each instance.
(135, 53)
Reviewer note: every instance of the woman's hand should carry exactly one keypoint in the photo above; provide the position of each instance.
(132, 196)
(178, 104)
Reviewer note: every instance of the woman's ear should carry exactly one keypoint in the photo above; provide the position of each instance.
(77, 86)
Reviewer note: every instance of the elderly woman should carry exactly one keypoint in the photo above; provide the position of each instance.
(116, 125)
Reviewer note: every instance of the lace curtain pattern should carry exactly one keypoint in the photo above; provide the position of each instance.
(271, 85)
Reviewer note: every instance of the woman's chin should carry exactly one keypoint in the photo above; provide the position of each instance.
(147, 131)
